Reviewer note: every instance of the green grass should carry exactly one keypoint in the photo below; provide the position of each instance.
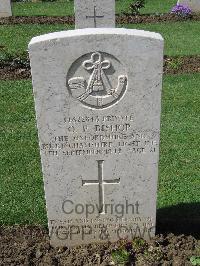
(180, 158)
(58, 8)
(64, 8)
(157, 6)
(23, 34)
(181, 38)
(21, 190)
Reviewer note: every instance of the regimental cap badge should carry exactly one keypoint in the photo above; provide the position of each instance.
(98, 90)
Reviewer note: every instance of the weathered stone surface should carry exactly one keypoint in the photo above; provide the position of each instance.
(94, 14)
(5, 8)
(193, 4)
(98, 103)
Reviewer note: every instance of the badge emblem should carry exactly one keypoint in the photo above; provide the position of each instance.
(97, 80)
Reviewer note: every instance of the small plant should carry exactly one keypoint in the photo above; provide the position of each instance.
(181, 11)
(120, 256)
(136, 6)
(123, 253)
(139, 245)
(195, 260)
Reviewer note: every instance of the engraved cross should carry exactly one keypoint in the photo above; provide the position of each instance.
(95, 17)
(101, 183)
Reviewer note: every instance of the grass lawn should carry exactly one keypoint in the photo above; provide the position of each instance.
(26, 32)
(21, 190)
(181, 38)
(65, 8)
(180, 158)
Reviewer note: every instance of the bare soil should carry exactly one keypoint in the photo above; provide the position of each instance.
(154, 18)
(14, 73)
(29, 245)
(17, 69)
(182, 64)
(120, 19)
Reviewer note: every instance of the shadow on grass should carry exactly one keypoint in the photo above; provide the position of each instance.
(179, 219)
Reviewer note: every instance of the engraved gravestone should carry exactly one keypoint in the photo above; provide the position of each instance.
(193, 4)
(98, 102)
(94, 13)
(5, 8)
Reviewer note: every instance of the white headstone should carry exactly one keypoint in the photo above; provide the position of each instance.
(193, 4)
(5, 8)
(94, 13)
(98, 103)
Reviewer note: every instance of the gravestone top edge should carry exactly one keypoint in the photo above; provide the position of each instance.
(94, 31)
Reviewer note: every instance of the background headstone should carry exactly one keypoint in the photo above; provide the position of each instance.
(94, 13)
(193, 4)
(5, 8)
(98, 103)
